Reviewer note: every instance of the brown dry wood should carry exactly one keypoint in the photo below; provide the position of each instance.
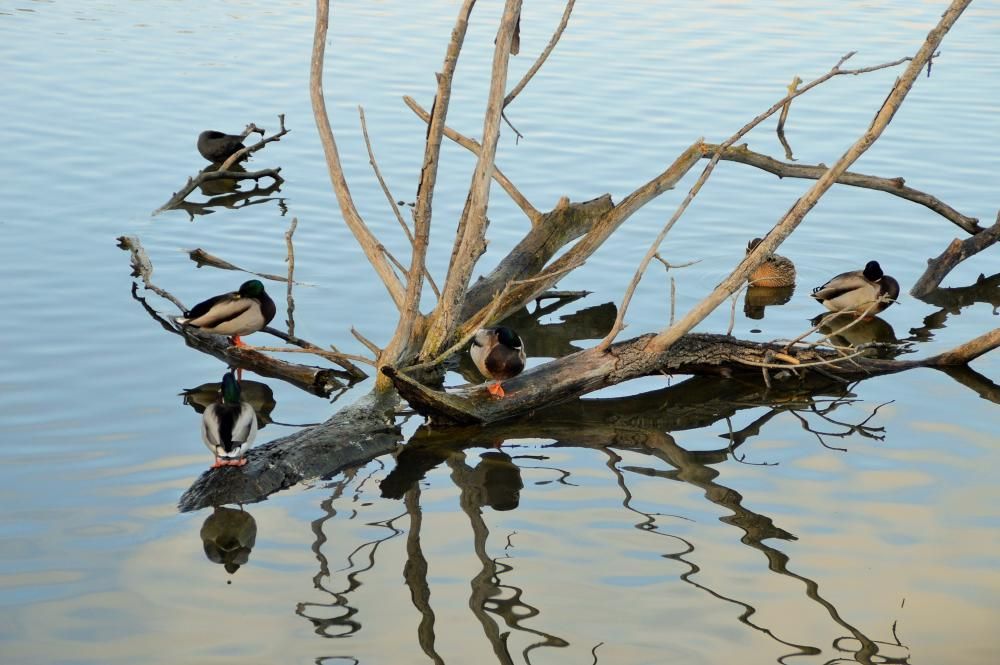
(895, 186)
(317, 380)
(370, 245)
(791, 219)
(956, 252)
(208, 176)
(470, 238)
(590, 370)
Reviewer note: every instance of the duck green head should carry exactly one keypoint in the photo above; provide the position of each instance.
(252, 289)
(230, 388)
(508, 337)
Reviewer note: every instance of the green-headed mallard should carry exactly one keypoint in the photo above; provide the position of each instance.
(216, 146)
(233, 314)
(777, 271)
(229, 425)
(863, 292)
(498, 354)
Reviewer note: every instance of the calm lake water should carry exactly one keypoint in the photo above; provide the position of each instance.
(852, 524)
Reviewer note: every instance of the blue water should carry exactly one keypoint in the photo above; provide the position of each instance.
(102, 104)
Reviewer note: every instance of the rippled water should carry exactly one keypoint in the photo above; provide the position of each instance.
(619, 532)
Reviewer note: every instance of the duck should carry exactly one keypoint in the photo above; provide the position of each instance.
(863, 292)
(499, 355)
(776, 272)
(232, 314)
(217, 147)
(229, 425)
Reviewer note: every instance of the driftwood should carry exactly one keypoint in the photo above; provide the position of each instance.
(313, 379)
(955, 253)
(592, 369)
(556, 243)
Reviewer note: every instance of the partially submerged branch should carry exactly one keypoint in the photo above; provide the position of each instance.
(223, 172)
(955, 253)
(589, 370)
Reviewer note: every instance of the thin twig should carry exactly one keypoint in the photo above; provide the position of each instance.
(516, 90)
(290, 259)
(329, 355)
(759, 255)
(473, 146)
(364, 236)
(370, 345)
(389, 197)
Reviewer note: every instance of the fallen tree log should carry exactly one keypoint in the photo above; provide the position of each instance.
(354, 435)
(363, 431)
(592, 369)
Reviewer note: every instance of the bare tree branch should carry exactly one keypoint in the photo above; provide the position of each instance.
(955, 253)
(366, 239)
(410, 318)
(797, 213)
(473, 146)
(470, 237)
(389, 197)
(757, 256)
(541, 58)
(894, 186)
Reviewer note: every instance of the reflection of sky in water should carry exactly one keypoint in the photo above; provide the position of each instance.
(103, 103)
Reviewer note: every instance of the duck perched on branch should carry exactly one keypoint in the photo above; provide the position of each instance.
(776, 272)
(229, 425)
(217, 147)
(863, 292)
(233, 314)
(499, 355)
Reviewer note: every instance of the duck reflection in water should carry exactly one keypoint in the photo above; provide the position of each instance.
(757, 298)
(228, 535)
(846, 330)
(495, 481)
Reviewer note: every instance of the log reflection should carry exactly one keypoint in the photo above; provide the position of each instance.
(336, 619)
(640, 424)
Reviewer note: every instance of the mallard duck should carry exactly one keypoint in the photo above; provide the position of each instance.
(216, 147)
(498, 354)
(863, 292)
(777, 271)
(229, 425)
(233, 314)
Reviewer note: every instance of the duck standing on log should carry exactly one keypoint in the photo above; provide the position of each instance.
(499, 355)
(863, 292)
(229, 425)
(233, 314)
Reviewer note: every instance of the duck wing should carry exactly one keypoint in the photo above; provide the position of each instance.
(841, 284)
(217, 310)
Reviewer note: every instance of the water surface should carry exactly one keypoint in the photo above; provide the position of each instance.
(627, 537)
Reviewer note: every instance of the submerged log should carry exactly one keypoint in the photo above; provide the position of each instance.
(591, 369)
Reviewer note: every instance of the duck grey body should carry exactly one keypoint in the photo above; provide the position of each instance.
(867, 291)
(234, 314)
